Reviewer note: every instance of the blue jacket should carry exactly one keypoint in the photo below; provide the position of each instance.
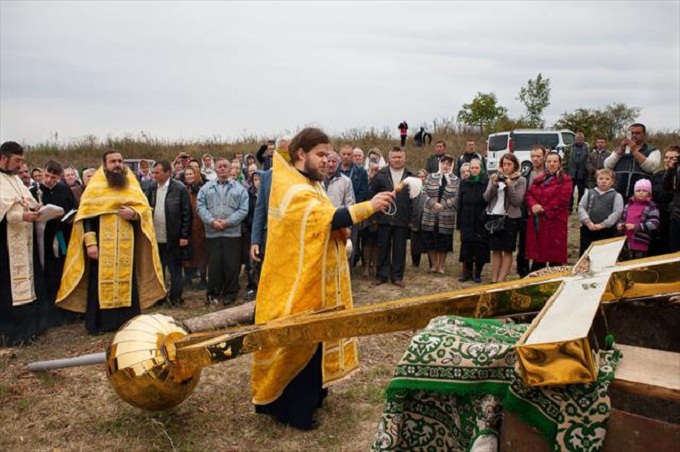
(259, 233)
(233, 207)
(359, 178)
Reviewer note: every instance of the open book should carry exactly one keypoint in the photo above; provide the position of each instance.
(69, 216)
(49, 212)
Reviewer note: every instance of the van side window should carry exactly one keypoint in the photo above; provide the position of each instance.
(550, 140)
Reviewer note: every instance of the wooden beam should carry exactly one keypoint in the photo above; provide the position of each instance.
(649, 372)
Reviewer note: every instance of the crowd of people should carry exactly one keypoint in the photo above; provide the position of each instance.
(302, 216)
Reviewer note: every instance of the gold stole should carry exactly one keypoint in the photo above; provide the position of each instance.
(19, 239)
(116, 256)
(20, 247)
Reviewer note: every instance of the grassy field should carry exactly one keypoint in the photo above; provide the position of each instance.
(76, 409)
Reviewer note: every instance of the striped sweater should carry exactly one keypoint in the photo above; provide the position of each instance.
(446, 219)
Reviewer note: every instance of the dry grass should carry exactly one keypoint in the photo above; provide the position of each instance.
(75, 409)
(86, 151)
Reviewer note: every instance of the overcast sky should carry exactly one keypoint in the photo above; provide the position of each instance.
(190, 70)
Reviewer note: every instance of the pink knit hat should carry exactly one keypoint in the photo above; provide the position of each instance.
(643, 184)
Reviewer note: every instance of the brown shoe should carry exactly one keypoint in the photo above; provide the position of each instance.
(398, 283)
(379, 282)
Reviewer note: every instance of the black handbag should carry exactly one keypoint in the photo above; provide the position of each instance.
(495, 223)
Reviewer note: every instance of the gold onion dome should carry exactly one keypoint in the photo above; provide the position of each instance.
(138, 366)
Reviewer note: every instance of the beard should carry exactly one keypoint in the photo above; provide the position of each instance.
(313, 173)
(116, 179)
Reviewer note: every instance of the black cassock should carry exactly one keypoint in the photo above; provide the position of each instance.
(54, 240)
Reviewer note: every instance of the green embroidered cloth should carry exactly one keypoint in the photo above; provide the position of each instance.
(452, 384)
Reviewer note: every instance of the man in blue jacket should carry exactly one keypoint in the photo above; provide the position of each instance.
(222, 205)
(359, 178)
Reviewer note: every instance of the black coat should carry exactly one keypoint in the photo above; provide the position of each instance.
(382, 181)
(62, 196)
(178, 214)
(472, 210)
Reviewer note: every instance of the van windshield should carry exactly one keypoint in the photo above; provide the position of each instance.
(524, 141)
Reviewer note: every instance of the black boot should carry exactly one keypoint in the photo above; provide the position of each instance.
(466, 271)
(478, 273)
(203, 284)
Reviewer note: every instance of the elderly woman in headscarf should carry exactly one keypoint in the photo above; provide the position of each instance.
(465, 170)
(504, 193)
(208, 167)
(368, 232)
(374, 156)
(439, 213)
(474, 241)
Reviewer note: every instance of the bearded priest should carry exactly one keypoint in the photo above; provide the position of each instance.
(112, 252)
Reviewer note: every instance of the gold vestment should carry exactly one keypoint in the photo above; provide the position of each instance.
(305, 269)
(118, 248)
(13, 197)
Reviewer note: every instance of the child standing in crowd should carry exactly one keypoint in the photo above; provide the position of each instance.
(599, 210)
(640, 219)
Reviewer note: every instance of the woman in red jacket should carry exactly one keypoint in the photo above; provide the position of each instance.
(548, 204)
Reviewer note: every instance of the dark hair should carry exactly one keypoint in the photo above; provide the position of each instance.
(554, 153)
(510, 157)
(637, 124)
(109, 152)
(54, 167)
(399, 149)
(35, 169)
(164, 164)
(442, 142)
(11, 147)
(307, 139)
(559, 174)
(539, 147)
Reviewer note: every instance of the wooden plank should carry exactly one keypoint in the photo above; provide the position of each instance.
(625, 432)
(633, 433)
(649, 372)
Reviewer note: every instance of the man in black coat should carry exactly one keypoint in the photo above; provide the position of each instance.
(52, 238)
(577, 167)
(172, 224)
(393, 230)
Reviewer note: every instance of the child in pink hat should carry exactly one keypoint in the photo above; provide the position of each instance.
(639, 220)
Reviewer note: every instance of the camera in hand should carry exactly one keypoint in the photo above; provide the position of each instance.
(502, 177)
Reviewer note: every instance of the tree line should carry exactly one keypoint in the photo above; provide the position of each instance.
(486, 115)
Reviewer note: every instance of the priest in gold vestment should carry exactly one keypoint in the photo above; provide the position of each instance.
(19, 310)
(305, 270)
(112, 267)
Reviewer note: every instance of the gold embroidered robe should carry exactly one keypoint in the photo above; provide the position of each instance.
(13, 197)
(118, 247)
(305, 269)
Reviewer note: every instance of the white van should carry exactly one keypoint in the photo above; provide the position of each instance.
(520, 142)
